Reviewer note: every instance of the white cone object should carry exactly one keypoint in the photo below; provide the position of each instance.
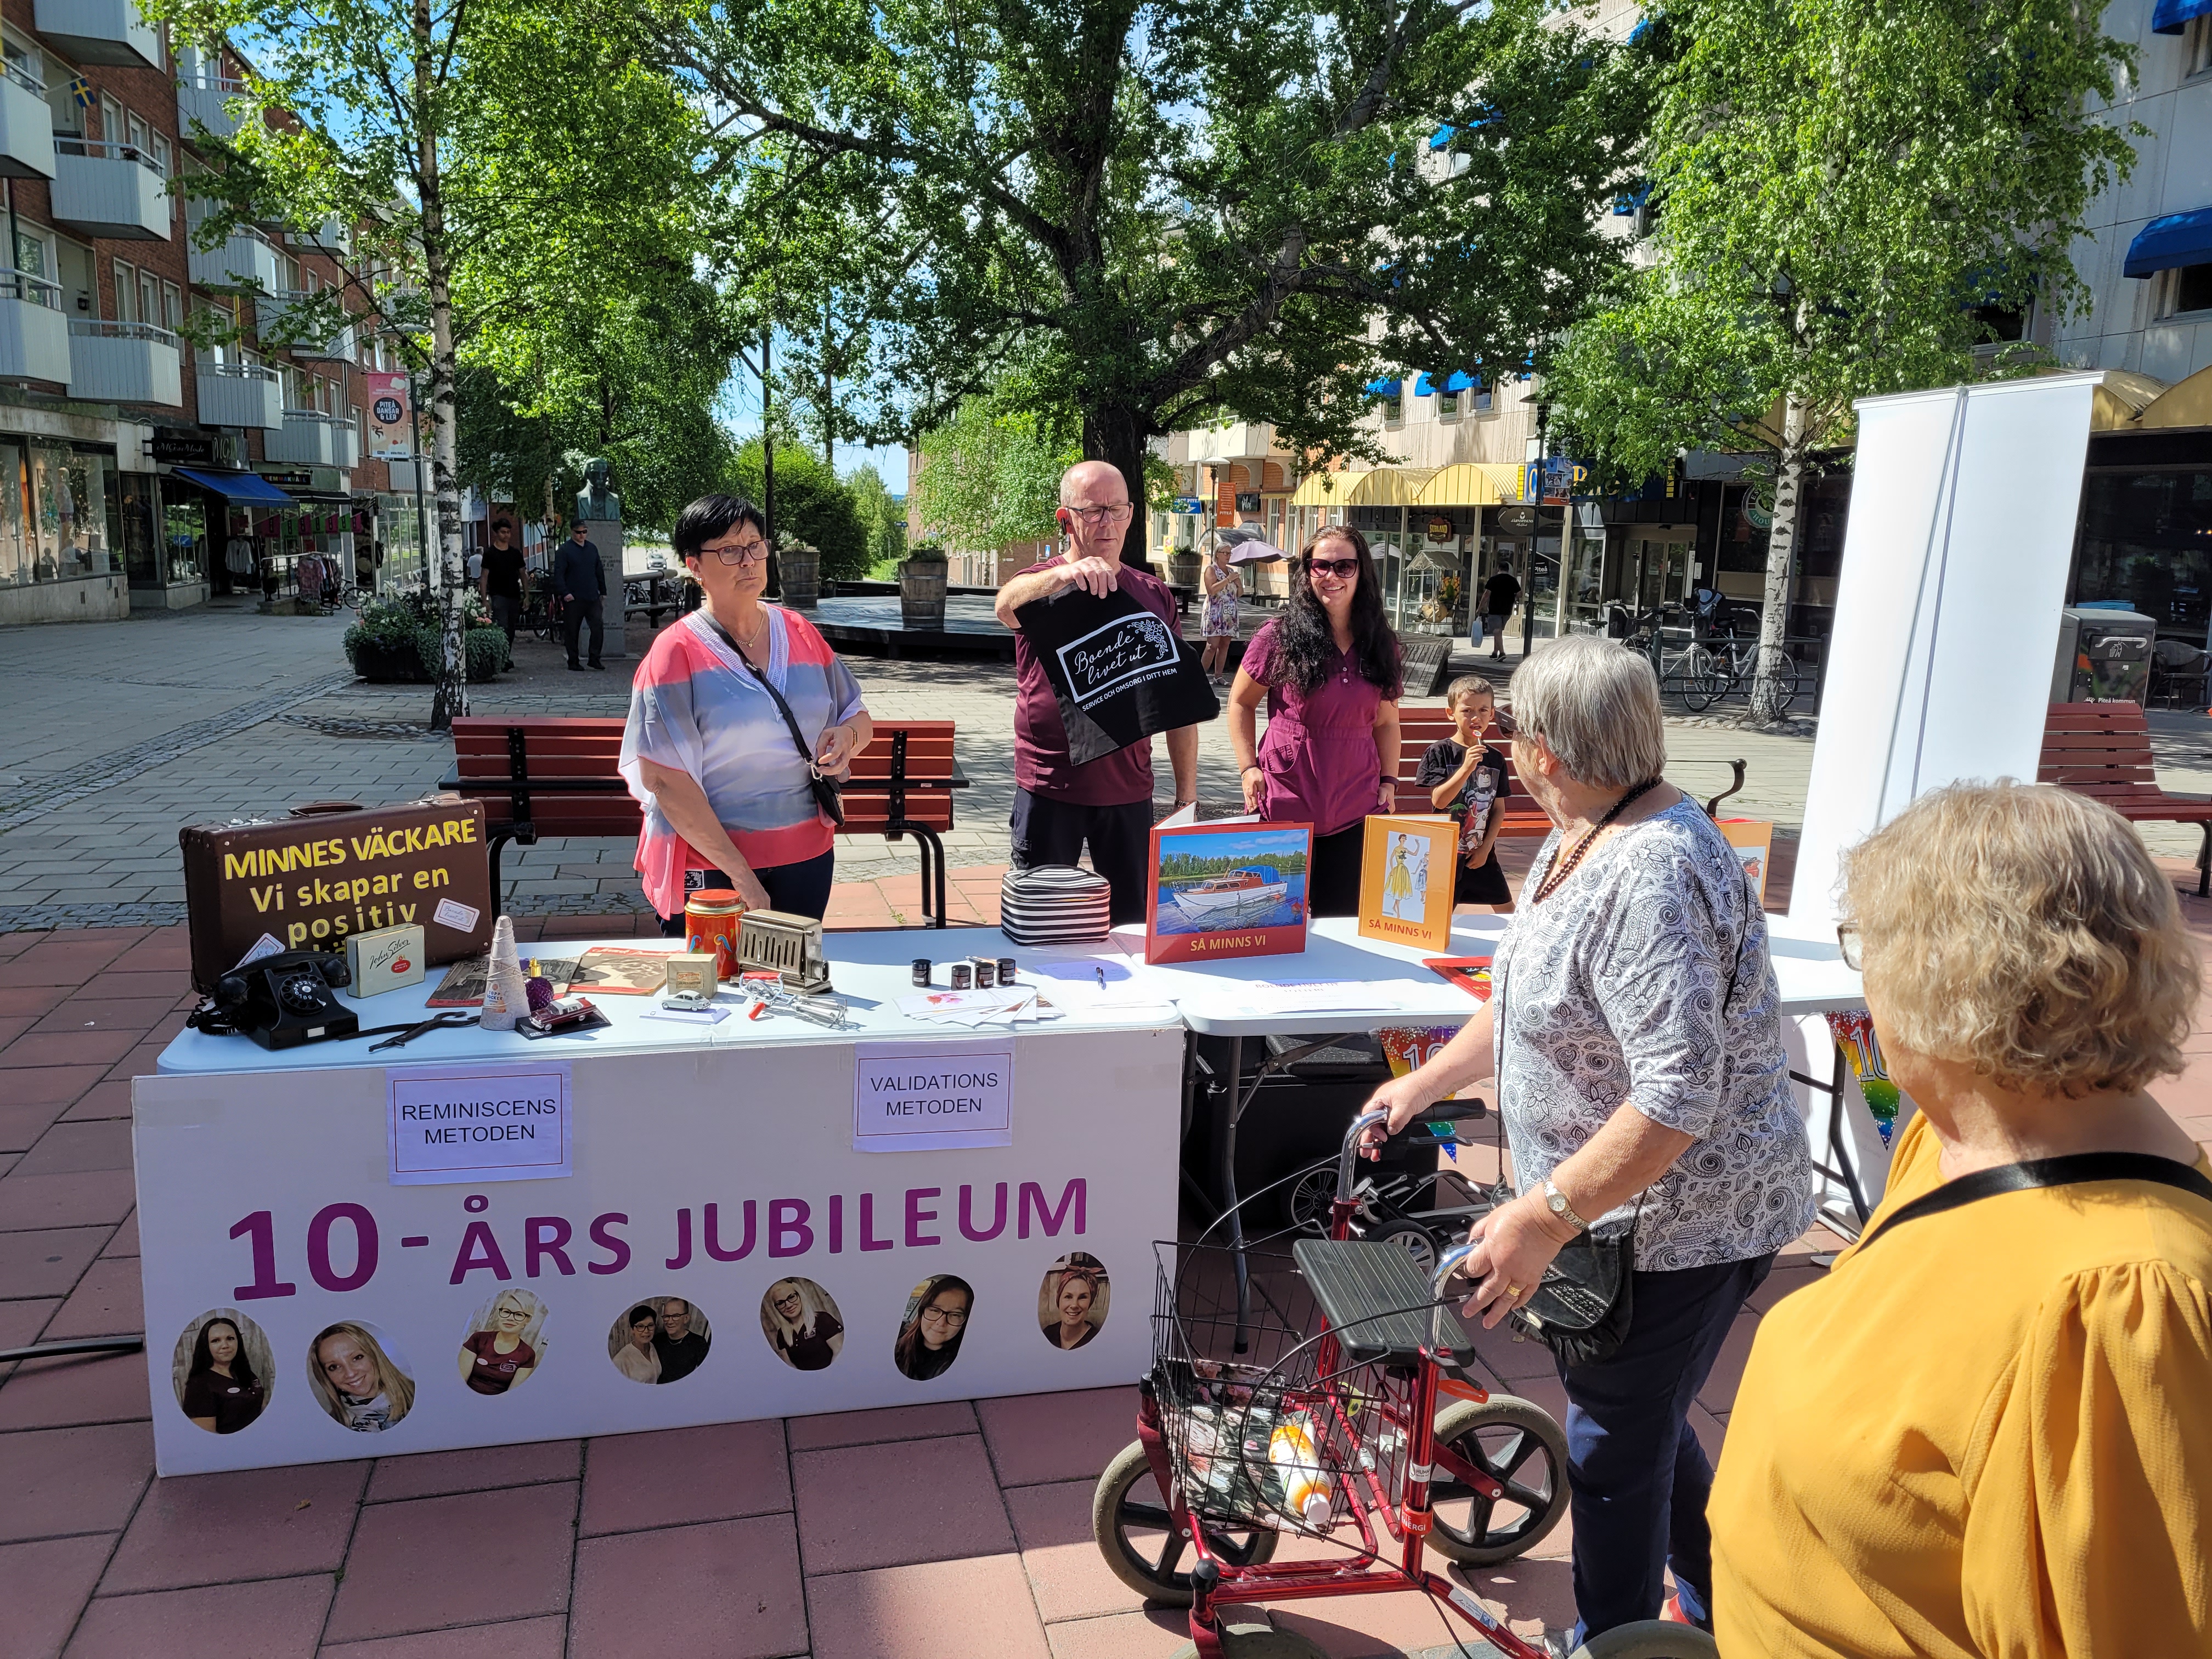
(506, 997)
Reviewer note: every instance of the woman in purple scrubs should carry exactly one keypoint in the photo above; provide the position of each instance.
(1329, 670)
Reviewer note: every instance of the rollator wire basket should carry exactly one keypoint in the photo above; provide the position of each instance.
(1307, 1408)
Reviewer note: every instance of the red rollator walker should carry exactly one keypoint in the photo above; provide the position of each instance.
(1324, 1394)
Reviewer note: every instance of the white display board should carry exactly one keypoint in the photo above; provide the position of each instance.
(712, 1175)
(1963, 507)
(1964, 502)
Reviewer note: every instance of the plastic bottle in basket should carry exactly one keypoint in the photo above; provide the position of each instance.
(1307, 1488)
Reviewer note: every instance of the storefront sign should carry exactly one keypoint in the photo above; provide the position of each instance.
(1552, 480)
(1187, 504)
(182, 448)
(931, 1096)
(1247, 500)
(449, 1124)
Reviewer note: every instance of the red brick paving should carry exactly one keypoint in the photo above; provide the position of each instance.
(939, 1529)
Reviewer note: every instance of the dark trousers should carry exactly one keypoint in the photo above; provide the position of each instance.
(580, 612)
(1050, 831)
(1333, 877)
(800, 889)
(506, 612)
(1639, 1476)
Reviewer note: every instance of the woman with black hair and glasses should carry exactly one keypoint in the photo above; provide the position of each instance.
(709, 752)
(1329, 670)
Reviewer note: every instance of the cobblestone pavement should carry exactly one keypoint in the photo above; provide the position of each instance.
(124, 732)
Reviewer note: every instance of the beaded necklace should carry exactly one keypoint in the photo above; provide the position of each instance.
(1561, 870)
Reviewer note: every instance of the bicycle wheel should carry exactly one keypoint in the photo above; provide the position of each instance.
(1307, 1201)
(1130, 1521)
(1792, 683)
(1518, 1444)
(1704, 681)
(1649, 1640)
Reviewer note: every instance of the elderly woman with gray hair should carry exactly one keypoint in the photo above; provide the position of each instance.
(1635, 1036)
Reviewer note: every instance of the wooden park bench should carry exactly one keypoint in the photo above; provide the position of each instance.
(1419, 727)
(2102, 749)
(554, 776)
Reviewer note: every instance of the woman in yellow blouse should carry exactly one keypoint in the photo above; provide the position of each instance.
(1988, 1432)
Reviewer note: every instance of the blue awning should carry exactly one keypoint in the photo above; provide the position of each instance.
(1384, 388)
(2178, 239)
(1442, 136)
(1423, 386)
(2171, 16)
(1463, 383)
(1643, 27)
(239, 486)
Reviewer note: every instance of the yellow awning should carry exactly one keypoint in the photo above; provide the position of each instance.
(1381, 486)
(2186, 403)
(1471, 483)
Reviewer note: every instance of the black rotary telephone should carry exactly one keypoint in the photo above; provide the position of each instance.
(281, 1001)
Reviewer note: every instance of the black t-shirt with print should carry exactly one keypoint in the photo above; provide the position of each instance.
(1486, 786)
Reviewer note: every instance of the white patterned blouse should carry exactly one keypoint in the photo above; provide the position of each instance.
(1645, 978)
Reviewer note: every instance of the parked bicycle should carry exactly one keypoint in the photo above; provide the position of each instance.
(1327, 1393)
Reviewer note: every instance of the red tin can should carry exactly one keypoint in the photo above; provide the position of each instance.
(710, 923)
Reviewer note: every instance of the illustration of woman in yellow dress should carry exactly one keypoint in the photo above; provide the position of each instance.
(1398, 884)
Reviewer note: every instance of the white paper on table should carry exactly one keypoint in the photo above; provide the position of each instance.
(963, 1005)
(1311, 996)
(688, 1016)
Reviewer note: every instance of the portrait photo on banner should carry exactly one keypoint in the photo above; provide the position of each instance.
(802, 1324)
(931, 1328)
(222, 1371)
(359, 1378)
(1071, 1301)
(659, 1338)
(505, 1342)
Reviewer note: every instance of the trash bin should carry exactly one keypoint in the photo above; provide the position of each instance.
(2104, 655)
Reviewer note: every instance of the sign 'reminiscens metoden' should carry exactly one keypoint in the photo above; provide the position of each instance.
(936, 1096)
(456, 1123)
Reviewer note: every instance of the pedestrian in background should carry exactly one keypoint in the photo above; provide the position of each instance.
(581, 582)
(1329, 671)
(501, 581)
(1224, 593)
(1107, 802)
(1497, 596)
(1992, 1433)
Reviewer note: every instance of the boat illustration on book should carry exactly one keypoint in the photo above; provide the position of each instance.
(1252, 890)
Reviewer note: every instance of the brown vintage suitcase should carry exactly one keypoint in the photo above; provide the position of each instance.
(332, 869)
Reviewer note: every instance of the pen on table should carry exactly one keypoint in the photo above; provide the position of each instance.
(1101, 972)
(759, 1008)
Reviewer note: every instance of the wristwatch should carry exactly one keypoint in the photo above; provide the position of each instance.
(1556, 1202)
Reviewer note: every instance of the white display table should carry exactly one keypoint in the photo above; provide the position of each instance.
(708, 1164)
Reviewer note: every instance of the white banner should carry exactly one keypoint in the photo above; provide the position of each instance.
(721, 1252)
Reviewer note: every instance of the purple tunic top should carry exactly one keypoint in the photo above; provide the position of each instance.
(1318, 751)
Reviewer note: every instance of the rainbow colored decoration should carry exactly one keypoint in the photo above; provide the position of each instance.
(1854, 1034)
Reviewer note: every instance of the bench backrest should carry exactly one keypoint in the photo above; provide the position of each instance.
(2098, 749)
(1419, 727)
(558, 747)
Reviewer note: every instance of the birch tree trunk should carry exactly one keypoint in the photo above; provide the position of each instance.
(1781, 550)
(452, 698)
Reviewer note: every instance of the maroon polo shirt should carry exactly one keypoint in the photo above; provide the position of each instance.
(1041, 762)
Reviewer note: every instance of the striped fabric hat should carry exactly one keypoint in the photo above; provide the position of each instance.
(1055, 905)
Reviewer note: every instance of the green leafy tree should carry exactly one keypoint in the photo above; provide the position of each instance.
(486, 155)
(991, 475)
(810, 504)
(1845, 188)
(882, 515)
(1155, 209)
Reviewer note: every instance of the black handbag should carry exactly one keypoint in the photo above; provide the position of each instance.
(829, 795)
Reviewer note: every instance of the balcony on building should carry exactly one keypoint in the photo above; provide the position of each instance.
(307, 438)
(273, 320)
(246, 259)
(115, 191)
(203, 94)
(34, 339)
(101, 31)
(240, 394)
(113, 362)
(26, 124)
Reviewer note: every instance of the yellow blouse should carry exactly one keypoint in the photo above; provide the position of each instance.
(1988, 1436)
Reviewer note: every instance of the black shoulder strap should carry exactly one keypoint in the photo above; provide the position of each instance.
(2047, 1172)
(790, 720)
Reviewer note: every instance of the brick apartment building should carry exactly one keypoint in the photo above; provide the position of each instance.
(135, 470)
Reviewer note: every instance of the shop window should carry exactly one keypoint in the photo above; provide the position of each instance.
(72, 502)
(2145, 537)
(2186, 287)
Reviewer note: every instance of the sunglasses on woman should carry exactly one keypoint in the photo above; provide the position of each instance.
(1345, 567)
